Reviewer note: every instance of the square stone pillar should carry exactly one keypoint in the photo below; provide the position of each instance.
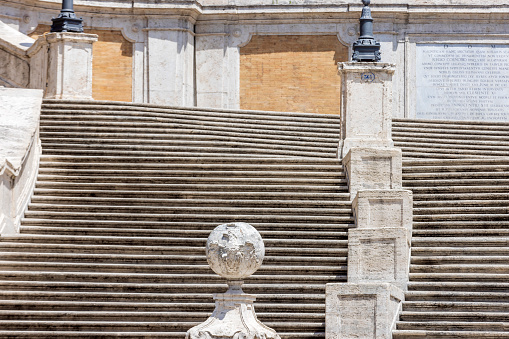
(361, 311)
(69, 65)
(366, 105)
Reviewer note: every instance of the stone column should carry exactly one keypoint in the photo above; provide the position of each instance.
(367, 306)
(69, 65)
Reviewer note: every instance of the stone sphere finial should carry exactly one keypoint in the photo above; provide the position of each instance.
(235, 250)
(366, 2)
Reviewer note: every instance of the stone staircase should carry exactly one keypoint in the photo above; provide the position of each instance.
(459, 274)
(112, 244)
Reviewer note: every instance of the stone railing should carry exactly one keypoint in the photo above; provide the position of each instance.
(20, 150)
(15, 71)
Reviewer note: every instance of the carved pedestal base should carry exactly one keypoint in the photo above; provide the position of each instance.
(234, 317)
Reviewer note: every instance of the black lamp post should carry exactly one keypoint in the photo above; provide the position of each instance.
(67, 21)
(366, 48)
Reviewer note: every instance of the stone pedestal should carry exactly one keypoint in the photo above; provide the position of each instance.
(234, 251)
(361, 311)
(69, 65)
(383, 209)
(366, 109)
(373, 168)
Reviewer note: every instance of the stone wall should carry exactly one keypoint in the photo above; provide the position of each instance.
(295, 73)
(191, 53)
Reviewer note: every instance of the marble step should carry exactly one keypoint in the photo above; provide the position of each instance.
(424, 334)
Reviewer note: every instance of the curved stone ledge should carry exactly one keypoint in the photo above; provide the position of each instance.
(19, 153)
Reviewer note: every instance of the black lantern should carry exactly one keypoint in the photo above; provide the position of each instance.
(67, 21)
(366, 48)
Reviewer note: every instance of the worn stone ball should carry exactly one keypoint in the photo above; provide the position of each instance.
(235, 250)
(366, 2)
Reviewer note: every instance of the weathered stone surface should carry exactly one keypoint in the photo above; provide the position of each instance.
(383, 208)
(19, 153)
(235, 251)
(373, 168)
(379, 255)
(366, 109)
(367, 310)
(69, 65)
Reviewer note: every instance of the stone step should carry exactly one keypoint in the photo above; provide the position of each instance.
(451, 250)
(416, 170)
(503, 180)
(175, 180)
(459, 277)
(462, 217)
(502, 232)
(104, 107)
(442, 210)
(424, 334)
(228, 160)
(474, 188)
(457, 292)
(151, 268)
(463, 202)
(461, 224)
(43, 194)
(178, 278)
(460, 198)
(264, 303)
(217, 218)
(175, 127)
(260, 172)
(156, 136)
(164, 210)
(491, 269)
(463, 259)
(17, 245)
(115, 116)
(172, 233)
(249, 165)
(111, 139)
(159, 241)
(94, 296)
(453, 326)
(450, 316)
(232, 186)
(132, 326)
(160, 259)
(175, 147)
(444, 307)
(268, 228)
(164, 316)
(184, 151)
(188, 201)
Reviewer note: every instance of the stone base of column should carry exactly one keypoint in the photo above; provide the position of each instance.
(365, 310)
(69, 65)
(234, 317)
(371, 168)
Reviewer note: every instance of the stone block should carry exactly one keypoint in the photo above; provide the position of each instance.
(379, 255)
(373, 168)
(69, 65)
(361, 311)
(366, 105)
(383, 208)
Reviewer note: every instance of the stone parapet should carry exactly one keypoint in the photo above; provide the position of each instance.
(367, 311)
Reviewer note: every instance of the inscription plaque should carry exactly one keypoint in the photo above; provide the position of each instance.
(462, 82)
